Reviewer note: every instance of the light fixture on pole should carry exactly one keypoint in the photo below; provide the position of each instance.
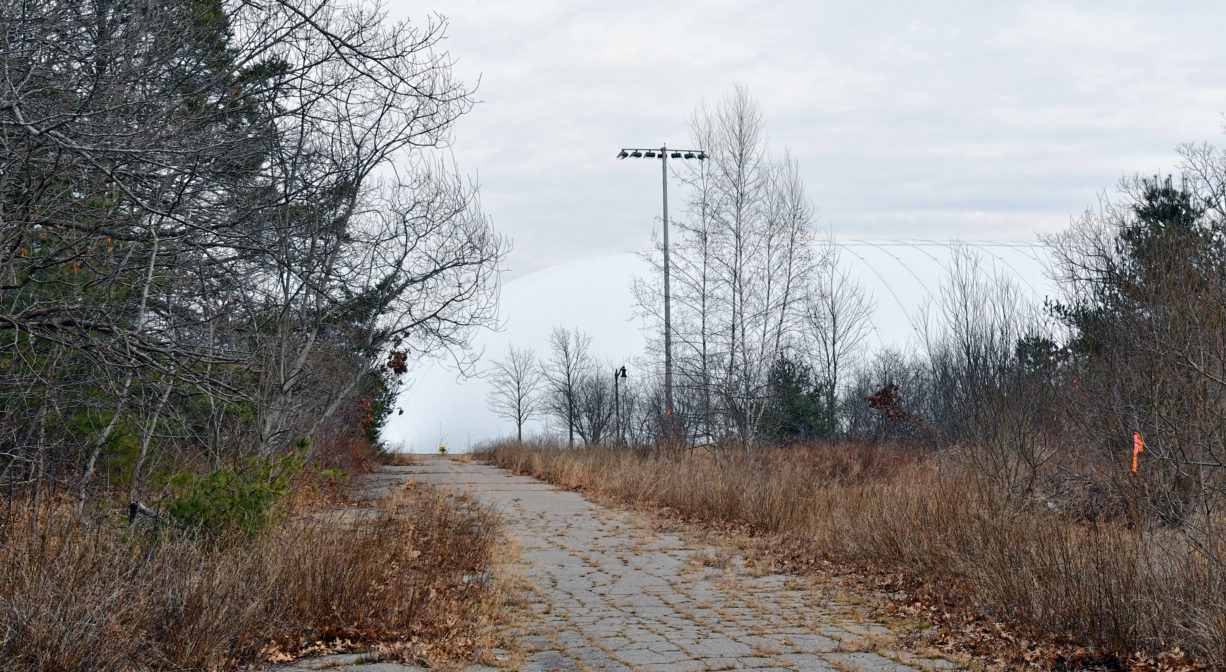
(618, 376)
(664, 153)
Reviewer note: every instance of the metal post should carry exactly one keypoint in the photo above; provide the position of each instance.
(668, 318)
(617, 406)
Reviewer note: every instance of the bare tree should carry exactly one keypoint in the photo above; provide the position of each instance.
(898, 378)
(595, 416)
(515, 382)
(776, 279)
(742, 269)
(839, 320)
(981, 396)
(568, 366)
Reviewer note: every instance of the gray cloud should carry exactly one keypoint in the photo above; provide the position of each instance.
(908, 119)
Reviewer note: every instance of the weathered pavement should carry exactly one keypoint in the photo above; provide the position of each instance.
(612, 594)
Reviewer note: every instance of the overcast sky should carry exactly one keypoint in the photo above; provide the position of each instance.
(932, 120)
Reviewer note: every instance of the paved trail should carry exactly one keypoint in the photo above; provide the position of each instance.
(615, 595)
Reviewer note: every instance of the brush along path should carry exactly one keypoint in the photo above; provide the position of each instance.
(612, 594)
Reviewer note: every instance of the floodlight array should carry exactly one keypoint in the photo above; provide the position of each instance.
(662, 153)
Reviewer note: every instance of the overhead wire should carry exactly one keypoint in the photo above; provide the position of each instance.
(900, 263)
(920, 248)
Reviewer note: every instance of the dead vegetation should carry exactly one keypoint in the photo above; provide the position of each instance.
(398, 459)
(410, 579)
(1027, 583)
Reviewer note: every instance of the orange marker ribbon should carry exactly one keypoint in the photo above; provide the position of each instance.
(1138, 447)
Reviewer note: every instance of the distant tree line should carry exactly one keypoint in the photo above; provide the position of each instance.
(206, 255)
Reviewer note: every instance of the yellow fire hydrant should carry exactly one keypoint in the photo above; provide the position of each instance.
(442, 449)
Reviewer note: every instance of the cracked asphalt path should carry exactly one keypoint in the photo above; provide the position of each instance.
(613, 594)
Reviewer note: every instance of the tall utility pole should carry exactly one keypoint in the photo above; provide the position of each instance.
(664, 154)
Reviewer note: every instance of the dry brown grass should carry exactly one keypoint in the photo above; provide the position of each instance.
(411, 576)
(398, 459)
(1122, 590)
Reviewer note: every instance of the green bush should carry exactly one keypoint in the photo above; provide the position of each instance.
(243, 500)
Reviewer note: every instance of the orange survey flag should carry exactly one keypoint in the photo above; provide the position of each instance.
(1138, 447)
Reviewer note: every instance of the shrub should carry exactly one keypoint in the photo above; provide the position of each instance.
(230, 499)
